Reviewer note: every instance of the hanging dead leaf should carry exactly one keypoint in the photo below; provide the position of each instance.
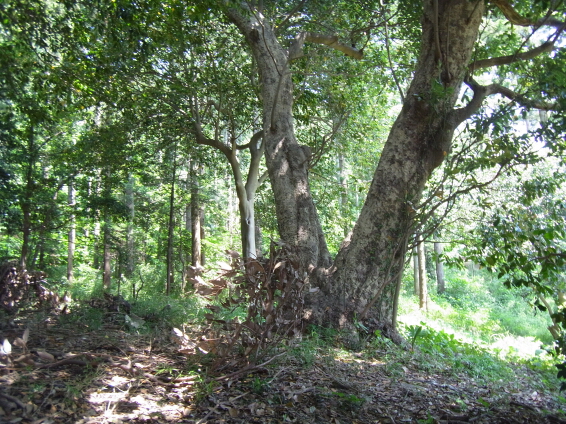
(26, 360)
(25, 337)
(233, 254)
(278, 265)
(19, 343)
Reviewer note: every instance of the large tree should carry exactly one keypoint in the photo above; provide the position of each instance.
(363, 280)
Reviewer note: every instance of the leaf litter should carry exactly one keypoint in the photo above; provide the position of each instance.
(55, 372)
(74, 375)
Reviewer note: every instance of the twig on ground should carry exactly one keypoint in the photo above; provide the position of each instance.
(248, 368)
(13, 399)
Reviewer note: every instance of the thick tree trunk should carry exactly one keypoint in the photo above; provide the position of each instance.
(287, 161)
(363, 277)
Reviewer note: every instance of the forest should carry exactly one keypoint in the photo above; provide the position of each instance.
(276, 211)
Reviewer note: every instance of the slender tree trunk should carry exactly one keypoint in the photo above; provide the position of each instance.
(202, 235)
(26, 232)
(96, 248)
(106, 234)
(423, 287)
(171, 233)
(258, 240)
(130, 242)
(106, 256)
(196, 251)
(416, 277)
(342, 180)
(71, 236)
(440, 285)
(26, 201)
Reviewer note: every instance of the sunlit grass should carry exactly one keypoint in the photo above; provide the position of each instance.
(478, 309)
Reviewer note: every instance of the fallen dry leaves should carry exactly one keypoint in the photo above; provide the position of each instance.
(71, 375)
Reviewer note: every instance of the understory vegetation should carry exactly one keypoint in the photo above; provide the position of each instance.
(478, 354)
(477, 326)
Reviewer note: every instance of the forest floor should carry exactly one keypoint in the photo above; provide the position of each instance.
(65, 372)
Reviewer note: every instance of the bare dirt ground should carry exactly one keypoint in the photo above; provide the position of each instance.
(68, 373)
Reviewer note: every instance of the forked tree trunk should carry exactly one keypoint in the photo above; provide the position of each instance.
(363, 280)
(286, 160)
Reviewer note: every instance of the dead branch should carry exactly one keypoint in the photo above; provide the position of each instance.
(13, 399)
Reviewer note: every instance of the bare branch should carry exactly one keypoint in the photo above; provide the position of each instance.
(253, 141)
(458, 116)
(506, 60)
(388, 48)
(262, 178)
(296, 47)
(519, 98)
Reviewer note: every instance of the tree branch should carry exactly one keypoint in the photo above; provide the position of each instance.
(516, 19)
(506, 60)
(201, 138)
(482, 91)
(388, 49)
(332, 42)
(291, 13)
